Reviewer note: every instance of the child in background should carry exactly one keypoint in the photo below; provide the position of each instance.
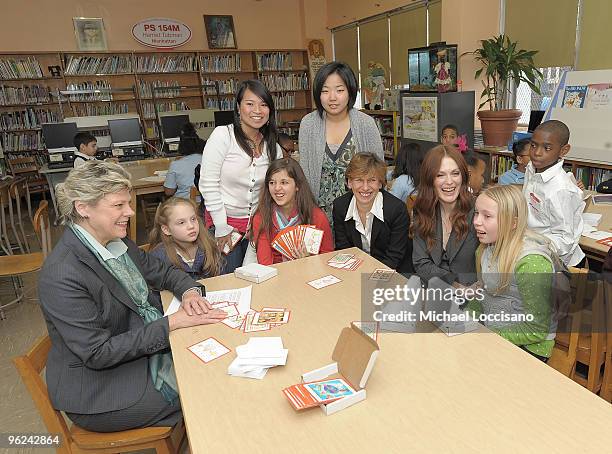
(286, 143)
(405, 175)
(180, 176)
(555, 202)
(476, 167)
(178, 237)
(285, 201)
(87, 146)
(516, 175)
(516, 270)
(450, 134)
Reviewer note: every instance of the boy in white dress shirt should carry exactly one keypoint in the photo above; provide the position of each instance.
(87, 146)
(555, 202)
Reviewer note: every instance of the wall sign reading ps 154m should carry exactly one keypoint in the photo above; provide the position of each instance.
(161, 33)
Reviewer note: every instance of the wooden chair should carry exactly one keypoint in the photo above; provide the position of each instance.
(18, 190)
(14, 266)
(28, 167)
(606, 385)
(164, 440)
(582, 341)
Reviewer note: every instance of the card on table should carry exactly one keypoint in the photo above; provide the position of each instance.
(271, 316)
(381, 274)
(324, 281)
(209, 349)
(340, 259)
(249, 327)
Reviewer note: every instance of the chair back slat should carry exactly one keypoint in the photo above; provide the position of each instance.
(42, 227)
(30, 367)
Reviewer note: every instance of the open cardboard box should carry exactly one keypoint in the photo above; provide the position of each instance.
(354, 357)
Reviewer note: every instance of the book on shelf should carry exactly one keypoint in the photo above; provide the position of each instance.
(226, 103)
(88, 65)
(165, 63)
(384, 124)
(170, 88)
(88, 110)
(24, 94)
(592, 177)
(103, 86)
(22, 141)
(20, 68)
(28, 118)
(285, 82)
(226, 87)
(221, 63)
(500, 165)
(284, 101)
(41, 158)
(274, 61)
(148, 108)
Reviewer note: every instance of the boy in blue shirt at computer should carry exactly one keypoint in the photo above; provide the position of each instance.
(516, 175)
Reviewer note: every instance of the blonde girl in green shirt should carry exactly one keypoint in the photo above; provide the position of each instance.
(516, 272)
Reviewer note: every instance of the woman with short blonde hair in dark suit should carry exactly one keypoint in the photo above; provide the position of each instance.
(109, 367)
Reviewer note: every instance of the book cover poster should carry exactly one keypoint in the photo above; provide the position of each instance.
(599, 96)
(419, 118)
(574, 97)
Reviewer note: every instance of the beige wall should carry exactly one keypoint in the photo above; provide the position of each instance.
(340, 12)
(43, 25)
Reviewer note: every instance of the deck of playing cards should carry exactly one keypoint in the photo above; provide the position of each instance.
(290, 241)
(258, 355)
(252, 321)
(345, 262)
(307, 395)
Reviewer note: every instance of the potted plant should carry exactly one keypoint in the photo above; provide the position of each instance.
(503, 64)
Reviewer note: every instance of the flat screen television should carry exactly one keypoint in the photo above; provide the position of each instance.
(433, 68)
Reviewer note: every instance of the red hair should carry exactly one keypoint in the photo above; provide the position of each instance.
(426, 204)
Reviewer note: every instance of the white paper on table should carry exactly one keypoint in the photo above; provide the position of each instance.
(175, 305)
(256, 372)
(262, 346)
(263, 361)
(153, 179)
(586, 228)
(591, 219)
(240, 296)
(598, 235)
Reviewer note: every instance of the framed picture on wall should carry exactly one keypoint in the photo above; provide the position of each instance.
(220, 32)
(89, 32)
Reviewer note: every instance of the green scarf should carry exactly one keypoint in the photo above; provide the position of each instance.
(127, 274)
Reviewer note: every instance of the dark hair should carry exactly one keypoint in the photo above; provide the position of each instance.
(268, 130)
(304, 200)
(472, 158)
(518, 147)
(556, 127)
(190, 142)
(283, 138)
(426, 204)
(83, 138)
(449, 126)
(408, 162)
(346, 74)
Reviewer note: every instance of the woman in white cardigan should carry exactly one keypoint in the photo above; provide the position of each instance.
(234, 164)
(331, 135)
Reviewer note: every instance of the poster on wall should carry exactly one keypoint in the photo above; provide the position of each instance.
(220, 32)
(573, 97)
(316, 56)
(419, 118)
(599, 96)
(89, 32)
(161, 33)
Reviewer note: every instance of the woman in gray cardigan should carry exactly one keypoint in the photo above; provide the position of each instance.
(331, 135)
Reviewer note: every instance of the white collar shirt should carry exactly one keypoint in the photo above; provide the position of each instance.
(366, 230)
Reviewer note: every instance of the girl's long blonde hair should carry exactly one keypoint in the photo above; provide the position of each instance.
(512, 231)
(212, 256)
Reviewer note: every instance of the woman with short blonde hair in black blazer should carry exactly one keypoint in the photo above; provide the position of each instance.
(110, 367)
(444, 241)
(370, 218)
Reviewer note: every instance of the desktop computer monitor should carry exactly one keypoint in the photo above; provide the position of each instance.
(171, 125)
(59, 135)
(224, 117)
(535, 118)
(125, 130)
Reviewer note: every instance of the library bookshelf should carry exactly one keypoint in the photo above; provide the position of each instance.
(590, 173)
(39, 87)
(388, 124)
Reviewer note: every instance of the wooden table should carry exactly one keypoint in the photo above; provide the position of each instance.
(142, 173)
(592, 248)
(428, 392)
